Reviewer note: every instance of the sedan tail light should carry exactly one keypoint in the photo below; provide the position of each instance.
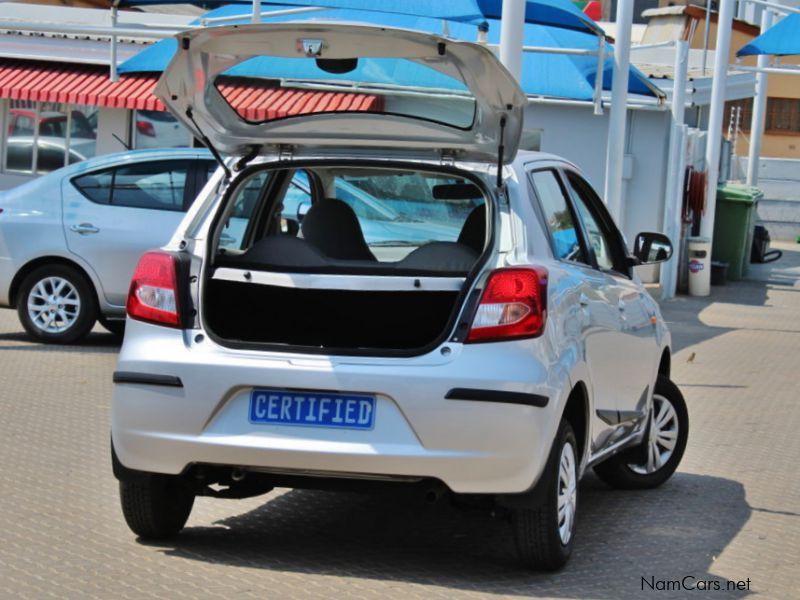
(146, 128)
(153, 296)
(513, 305)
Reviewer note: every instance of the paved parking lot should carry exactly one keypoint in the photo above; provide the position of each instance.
(732, 512)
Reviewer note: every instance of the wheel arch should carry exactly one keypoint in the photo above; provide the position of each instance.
(576, 413)
(43, 261)
(665, 364)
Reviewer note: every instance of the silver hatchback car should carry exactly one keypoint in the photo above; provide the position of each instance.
(501, 354)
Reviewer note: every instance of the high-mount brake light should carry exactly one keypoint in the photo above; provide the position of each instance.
(513, 305)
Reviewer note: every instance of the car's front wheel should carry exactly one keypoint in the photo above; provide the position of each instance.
(651, 463)
(544, 533)
(156, 506)
(56, 304)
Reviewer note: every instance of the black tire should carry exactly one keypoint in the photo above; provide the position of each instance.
(82, 322)
(114, 326)
(157, 506)
(536, 529)
(619, 472)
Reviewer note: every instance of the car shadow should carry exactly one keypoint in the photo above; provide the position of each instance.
(98, 341)
(623, 540)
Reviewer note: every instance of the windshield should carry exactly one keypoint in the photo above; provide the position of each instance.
(266, 88)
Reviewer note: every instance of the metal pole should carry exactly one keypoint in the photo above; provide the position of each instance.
(112, 73)
(759, 109)
(599, 75)
(615, 152)
(706, 31)
(714, 137)
(673, 196)
(256, 18)
(512, 29)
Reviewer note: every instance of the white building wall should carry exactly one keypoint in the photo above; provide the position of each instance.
(111, 122)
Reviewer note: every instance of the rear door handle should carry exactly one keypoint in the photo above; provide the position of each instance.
(84, 228)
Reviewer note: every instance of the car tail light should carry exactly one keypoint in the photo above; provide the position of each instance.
(513, 305)
(146, 128)
(153, 295)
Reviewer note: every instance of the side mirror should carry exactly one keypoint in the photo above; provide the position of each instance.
(302, 209)
(650, 248)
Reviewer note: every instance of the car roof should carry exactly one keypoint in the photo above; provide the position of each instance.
(135, 156)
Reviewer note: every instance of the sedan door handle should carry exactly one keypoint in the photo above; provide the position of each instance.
(84, 228)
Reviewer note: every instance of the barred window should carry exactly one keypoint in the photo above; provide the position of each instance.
(783, 114)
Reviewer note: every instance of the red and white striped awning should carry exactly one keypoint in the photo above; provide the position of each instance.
(254, 100)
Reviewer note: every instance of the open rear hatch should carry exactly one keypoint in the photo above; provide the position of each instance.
(415, 237)
(404, 91)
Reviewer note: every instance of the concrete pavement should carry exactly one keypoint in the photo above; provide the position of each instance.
(732, 512)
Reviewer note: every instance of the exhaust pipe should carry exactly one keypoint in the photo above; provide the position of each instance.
(238, 475)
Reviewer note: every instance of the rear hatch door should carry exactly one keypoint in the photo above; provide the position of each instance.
(325, 86)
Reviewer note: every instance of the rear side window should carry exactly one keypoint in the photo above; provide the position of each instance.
(151, 185)
(232, 236)
(560, 220)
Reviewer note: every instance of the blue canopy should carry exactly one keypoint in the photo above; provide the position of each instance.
(558, 13)
(782, 39)
(551, 75)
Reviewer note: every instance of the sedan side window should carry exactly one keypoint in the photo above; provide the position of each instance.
(560, 220)
(609, 256)
(153, 185)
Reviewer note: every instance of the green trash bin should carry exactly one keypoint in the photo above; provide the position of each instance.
(733, 227)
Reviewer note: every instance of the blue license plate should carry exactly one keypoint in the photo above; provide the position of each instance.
(312, 409)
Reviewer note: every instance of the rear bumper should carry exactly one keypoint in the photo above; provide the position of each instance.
(472, 446)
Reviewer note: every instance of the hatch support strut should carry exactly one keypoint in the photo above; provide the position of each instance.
(500, 151)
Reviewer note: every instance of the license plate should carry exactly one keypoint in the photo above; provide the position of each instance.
(312, 409)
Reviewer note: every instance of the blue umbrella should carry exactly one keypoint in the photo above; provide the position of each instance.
(781, 40)
(558, 13)
(552, 75)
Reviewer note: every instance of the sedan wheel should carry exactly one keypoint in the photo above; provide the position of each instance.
(56, 304)
(53, 305)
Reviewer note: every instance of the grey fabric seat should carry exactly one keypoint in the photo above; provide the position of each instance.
(332, 227)
(473, 232)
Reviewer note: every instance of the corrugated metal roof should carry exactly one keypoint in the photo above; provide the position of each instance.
(90, 85)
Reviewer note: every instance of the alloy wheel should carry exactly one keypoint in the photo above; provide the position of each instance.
(567, 493)
(54, 304)
(661, 437)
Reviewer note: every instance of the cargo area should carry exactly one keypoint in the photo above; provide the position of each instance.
(351, 259)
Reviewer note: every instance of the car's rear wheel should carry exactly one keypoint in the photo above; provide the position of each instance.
(544, 533)
(651, 463)
(156, 506)
(56, 304)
